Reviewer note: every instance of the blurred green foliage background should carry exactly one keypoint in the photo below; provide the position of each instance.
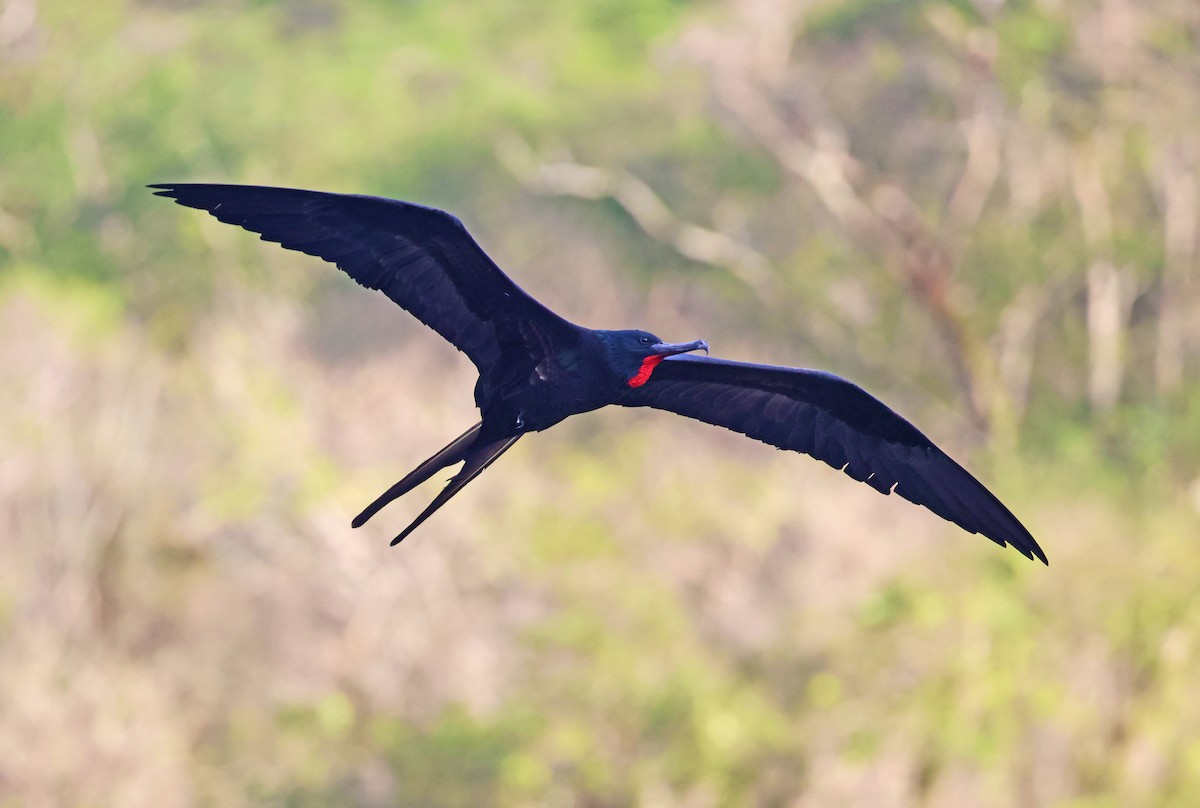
(983, 210)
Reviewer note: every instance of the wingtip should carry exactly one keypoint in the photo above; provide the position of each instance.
(167, 189)
(1031, 550)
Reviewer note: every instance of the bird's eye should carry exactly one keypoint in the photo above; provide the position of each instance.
(645, 340)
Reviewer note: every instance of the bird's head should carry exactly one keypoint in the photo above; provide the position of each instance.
(634, 355)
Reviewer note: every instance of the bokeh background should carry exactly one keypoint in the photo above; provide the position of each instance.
(985, 211)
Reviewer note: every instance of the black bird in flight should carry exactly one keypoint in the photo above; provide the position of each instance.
(535, 368)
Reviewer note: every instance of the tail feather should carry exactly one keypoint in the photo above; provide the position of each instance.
(450, 454)
(478, 460)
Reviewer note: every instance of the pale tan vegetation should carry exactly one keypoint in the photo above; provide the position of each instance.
(983, 211)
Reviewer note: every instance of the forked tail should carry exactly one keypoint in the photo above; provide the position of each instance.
(476, 461)
(452, 453)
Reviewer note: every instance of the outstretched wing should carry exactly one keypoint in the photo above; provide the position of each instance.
(835, 421)
(422, 258)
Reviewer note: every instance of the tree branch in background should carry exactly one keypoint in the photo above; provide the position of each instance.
(1179, 210)
(981, 171)
(1016, 334)
(1109, 290)
(646, 208)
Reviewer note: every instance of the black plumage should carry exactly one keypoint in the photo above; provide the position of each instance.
(536, 368)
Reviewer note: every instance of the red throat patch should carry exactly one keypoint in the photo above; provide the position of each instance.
(643, 374)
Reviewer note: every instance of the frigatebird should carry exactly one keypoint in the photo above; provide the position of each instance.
(536, 368)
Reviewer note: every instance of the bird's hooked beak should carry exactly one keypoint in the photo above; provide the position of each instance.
(672, 348)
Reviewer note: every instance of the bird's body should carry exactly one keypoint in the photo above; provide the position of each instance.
(562, 382)
(536, 368)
